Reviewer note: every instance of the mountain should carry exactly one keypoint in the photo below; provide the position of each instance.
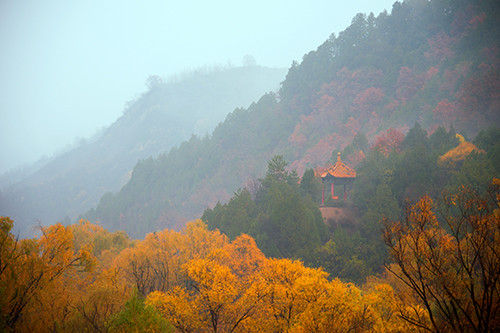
(435, 63)
(163, 117)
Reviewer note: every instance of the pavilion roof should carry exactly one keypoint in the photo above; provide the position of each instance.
(338, 170)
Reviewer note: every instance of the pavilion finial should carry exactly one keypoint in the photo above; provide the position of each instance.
(338, 157)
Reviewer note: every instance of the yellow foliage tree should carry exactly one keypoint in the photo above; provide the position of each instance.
(33, 271)
(105, 245)
(455, 156)
(301, 299)
(454, 269)
(223, 291)
(155, 263)
(104, 297)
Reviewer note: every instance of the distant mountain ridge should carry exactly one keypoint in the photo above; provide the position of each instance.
(162, 118)
(432, 62)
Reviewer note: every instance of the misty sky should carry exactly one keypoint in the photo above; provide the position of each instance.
(67, 68)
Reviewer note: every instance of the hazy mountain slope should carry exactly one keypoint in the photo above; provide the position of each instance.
(163, 117)
(433, 62)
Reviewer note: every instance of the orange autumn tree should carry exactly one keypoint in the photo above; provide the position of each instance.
(155, 263)
(36, 277)
(223, 290)
(106, 245)
(102, 293)
(452, 267)
(104, 297)
(62, 280)
(301, 299)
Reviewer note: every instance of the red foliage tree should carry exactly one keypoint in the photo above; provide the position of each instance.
(446, 112)
(440, 47)
(388, 141)
(368, 100)
(408, 84)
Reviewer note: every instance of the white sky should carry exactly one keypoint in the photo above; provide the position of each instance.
(67, 67)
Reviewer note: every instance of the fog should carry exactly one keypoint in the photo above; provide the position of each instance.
(69, 67)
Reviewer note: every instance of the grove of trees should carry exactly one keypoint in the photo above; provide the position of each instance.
(282, 214)
(444, 276)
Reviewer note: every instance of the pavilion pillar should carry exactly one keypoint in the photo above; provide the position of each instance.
(345, 193)
(333, 192)
(323, 194)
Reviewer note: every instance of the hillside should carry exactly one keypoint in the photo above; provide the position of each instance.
(435, 63)
(162, 118)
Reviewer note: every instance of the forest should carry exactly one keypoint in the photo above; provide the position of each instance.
(442, 276)
(435, 63)
(226, 232)
(283, 217)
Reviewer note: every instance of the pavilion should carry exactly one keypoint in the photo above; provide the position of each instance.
(335, 177)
